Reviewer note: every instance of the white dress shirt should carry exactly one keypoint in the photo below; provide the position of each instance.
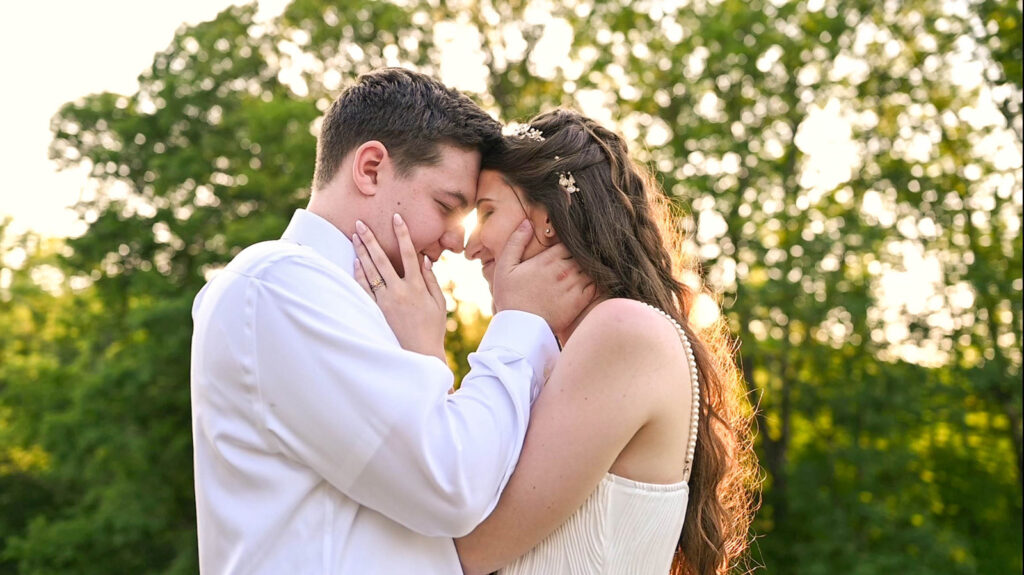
(321, 446)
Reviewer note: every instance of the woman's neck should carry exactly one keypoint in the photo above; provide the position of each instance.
(564, 334)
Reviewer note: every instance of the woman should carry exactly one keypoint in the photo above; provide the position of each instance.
(637, 458)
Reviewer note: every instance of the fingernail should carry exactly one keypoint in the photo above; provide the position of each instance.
(525, 224)
(427, 262)
(398, 220)
(360, 227)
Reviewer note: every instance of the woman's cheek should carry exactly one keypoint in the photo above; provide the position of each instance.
(502, 241)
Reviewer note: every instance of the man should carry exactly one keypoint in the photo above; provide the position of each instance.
(322, 446)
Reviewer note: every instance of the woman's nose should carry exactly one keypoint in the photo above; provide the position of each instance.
(473, 245)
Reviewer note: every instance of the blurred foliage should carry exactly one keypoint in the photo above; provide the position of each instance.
(889, 423)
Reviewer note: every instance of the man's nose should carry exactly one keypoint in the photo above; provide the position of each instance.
(453, 238)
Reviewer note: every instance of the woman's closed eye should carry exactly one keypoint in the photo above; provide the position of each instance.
(482, 215)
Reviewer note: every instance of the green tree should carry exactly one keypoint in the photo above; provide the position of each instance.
(889, 426)
(201, 161)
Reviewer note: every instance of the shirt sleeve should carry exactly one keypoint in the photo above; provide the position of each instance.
(338, 394)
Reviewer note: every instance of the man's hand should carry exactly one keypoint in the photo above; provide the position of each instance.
(550, 284)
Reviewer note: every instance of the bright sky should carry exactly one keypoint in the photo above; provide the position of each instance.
(56, 51)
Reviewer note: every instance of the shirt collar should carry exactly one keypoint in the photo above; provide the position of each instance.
(310, 230)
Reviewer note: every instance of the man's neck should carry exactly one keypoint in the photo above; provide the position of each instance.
(329, 204)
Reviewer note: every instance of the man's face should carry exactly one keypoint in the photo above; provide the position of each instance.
(433, 200)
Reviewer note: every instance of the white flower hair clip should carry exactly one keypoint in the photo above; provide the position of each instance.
(524, 131)
(567, 182)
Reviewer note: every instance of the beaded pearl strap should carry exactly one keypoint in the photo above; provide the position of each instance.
(695, 413)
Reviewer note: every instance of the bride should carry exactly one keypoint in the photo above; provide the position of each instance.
(637, 458)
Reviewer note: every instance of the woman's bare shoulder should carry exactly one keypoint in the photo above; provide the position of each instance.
(634, 331)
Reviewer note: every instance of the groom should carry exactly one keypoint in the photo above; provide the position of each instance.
(321, 446)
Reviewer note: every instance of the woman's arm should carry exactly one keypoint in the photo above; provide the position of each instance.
(612, 375)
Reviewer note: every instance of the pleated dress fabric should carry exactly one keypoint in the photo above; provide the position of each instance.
(624, 528)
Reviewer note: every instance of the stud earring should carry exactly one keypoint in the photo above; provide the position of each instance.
(547, 231)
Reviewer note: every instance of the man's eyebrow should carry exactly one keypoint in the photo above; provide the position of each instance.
(457, 196)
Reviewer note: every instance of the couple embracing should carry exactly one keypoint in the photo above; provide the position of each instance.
(596, 432)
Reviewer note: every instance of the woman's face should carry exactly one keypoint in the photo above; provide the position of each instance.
(498, 212)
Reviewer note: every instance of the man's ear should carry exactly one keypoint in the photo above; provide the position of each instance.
(368, 160)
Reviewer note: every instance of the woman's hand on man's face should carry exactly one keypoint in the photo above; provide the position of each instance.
(413, 305)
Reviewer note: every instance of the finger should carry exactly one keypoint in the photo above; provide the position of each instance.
(369, 269)
(577, 274)
(585, 282)
(512, 255)
(566, 268)
(376, 253)
(580, 282)
(410, 262)
(555, 253)
(360, 276)
(581, 295)
(566, 272)
(431, 280)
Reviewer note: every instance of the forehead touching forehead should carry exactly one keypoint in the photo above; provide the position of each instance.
(454, 174)
(491, 184)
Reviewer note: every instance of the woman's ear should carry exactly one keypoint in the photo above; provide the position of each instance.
(368, 161)
(543, 229)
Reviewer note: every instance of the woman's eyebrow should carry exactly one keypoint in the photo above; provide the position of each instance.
(482, 200)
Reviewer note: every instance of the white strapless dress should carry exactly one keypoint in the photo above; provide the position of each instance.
(624, 528)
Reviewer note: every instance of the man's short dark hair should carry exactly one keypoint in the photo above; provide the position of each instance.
(410, 113)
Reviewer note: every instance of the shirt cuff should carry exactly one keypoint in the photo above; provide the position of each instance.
(527, 335)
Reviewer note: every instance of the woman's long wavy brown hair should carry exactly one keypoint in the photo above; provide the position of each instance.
(618, 228)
